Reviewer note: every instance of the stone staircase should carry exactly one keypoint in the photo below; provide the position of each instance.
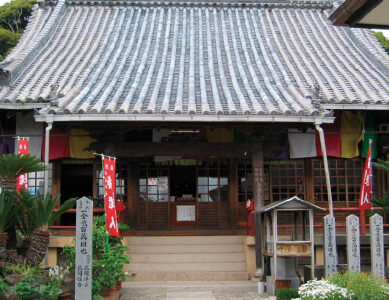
(185, 258)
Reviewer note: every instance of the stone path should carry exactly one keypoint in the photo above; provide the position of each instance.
(190, 290)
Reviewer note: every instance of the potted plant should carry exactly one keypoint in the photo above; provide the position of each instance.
(109, 259)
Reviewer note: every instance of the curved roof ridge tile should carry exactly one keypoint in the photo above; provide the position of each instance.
(178, 105)
(169, 83)
(82, 90)
(33, 73)
(318, 56)
(112, 55)
(76, 69)
(127, 72)
(118, 59)
(230, 103)
(317, 73)
(257, 107)
(129, 98)
(254, 102)
(241, 99)
(67, 68)
(151, 107)
(111, 106)
(57, 59)
(340, 44)
(341, 65)
(218, 105)
(269, 83)
(205, 109)
(289, 55)
(143, 92)
(268, 104)
(191, 83)
(26, 56)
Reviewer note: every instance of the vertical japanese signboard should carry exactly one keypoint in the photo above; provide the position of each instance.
(109, 165)
(330, 254)
(83, 268)
(22, 180)
(353, 243)
(377, 245)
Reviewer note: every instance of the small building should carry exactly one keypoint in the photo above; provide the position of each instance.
(205, 105)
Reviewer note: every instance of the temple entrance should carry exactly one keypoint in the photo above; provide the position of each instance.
(185, 193)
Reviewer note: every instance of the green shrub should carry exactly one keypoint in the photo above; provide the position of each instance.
(109, 258)
(3, 286)
(286, 294)
(27, 288)
(363, 286)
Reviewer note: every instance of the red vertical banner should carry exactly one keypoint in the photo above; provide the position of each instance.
(366, 190)
(22, 180)
(109, 165)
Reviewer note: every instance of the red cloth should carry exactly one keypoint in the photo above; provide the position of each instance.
(111, 222)
(250, 218)
(332, 139)
(120, 206)
(22, 180)
(366, 184)
(59, 144)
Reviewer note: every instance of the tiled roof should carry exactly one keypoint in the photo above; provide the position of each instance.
(167, 58)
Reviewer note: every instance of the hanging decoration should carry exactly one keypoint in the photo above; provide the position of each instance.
(109, 167)
(23, 147)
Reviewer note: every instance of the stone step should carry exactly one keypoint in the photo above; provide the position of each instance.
(186, 257)
(184, 286)
(187, 267)
(175, 249)
(192, 276)
(184, 240)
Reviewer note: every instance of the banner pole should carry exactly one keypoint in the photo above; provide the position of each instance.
(362, 217)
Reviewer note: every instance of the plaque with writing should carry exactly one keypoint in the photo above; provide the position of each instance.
(186, 213)
(83, 268)
(353, 243)
(377, 245)
(330, 254)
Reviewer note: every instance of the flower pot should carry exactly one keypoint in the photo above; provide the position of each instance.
(65, 297)
(118, 285)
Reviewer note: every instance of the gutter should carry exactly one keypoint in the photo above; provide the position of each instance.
(47, 149)
(326, 170)
(182, 118)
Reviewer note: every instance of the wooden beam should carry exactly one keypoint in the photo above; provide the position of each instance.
(147, 149)
(258, 194)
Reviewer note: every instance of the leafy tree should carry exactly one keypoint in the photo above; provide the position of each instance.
(14, 15)
(8, 40)
(383, 40)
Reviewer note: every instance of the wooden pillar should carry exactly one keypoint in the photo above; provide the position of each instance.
(56, 180)
(258, 193)
(233, 192)
(132, 192)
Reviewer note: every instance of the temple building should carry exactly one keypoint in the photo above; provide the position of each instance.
(205, 105)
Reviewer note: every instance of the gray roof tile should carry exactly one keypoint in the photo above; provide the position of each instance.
(196, 59)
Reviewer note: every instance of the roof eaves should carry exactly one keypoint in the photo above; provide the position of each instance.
(182, 118)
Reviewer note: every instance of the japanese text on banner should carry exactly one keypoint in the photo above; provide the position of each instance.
(22, 180)
(109, 166)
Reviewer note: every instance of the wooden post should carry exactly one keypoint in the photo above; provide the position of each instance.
(258, 193)
(132, 193)
(233, 186)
